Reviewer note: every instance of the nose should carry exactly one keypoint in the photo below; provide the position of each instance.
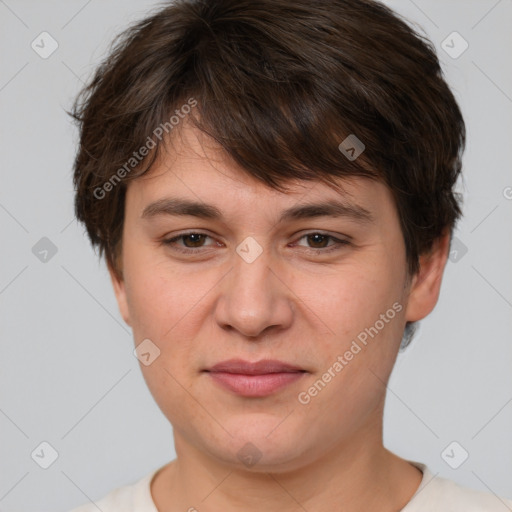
(253, 298)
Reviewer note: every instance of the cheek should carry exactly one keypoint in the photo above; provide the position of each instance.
(351, 300)
(364, 311)
(161, 297)
(161, 304)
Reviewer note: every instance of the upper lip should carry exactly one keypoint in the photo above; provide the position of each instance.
(262, 367)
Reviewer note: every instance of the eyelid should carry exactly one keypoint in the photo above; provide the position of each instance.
(338, 236)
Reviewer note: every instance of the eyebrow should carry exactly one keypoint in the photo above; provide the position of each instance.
(332, 208)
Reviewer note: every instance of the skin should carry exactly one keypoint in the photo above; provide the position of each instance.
(287, 305)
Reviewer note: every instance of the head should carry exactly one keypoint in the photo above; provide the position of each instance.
(266, 114)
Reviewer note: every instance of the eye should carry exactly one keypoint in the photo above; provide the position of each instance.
(192, 240)
(319, 241)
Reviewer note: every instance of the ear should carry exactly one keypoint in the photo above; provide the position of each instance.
(120, 292)
(426, 283)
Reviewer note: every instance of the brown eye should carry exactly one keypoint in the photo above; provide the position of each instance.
(195, 238)
(318, 243)
(318, 238)
(190, 241)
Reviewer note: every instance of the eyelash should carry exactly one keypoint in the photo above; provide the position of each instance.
(338, 243)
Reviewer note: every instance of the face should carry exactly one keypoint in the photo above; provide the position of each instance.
(258, 276)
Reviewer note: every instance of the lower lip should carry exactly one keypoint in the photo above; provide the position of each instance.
(255, 385)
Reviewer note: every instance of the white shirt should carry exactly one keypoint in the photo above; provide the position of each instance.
(435, 494)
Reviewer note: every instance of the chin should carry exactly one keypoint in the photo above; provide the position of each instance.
(261, 443)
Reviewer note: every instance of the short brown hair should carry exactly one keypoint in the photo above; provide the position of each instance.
(279, 84)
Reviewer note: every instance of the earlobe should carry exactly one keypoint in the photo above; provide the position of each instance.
(426, 283)
(120, 292)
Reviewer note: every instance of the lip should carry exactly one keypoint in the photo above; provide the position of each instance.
(254, 379)
(261, 367)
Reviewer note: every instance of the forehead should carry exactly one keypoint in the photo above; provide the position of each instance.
(193, 166)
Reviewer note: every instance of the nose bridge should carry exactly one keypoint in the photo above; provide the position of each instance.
(252, 298)
(251, 271)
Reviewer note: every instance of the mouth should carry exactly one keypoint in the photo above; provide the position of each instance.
(254, 379)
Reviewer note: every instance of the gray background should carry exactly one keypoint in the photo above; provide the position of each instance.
(68, 374)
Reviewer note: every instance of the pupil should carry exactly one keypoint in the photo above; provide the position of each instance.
(316, 237)
(194, 242)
